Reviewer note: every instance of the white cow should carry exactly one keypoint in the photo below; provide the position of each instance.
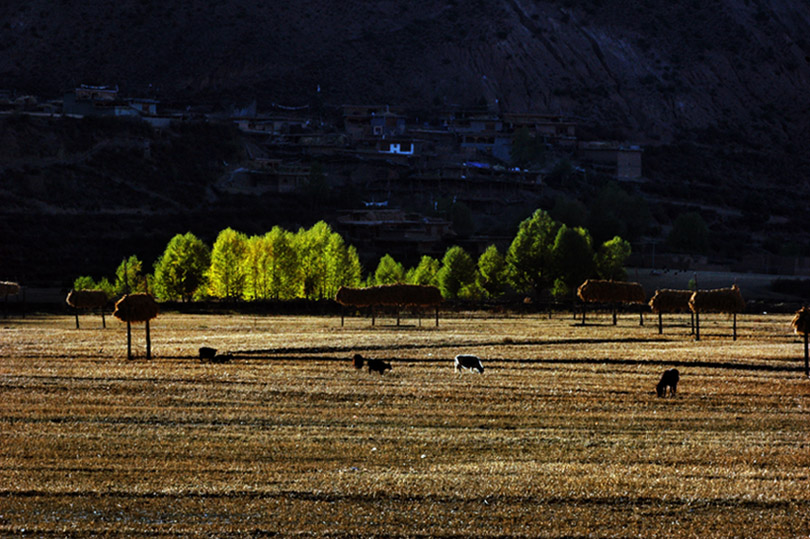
(469, 362)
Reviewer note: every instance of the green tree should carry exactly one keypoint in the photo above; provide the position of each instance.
(389, 271)
(85, 282)
(129, 277)
(529, 263)
(573, 259)
(425, 273)
(226, 274)
(456, 278)
(180, 270)
(257, 268)
(325, 262)
(611, 257)
(689, 234)
(284, 278)
(343, 265)
(491, 272)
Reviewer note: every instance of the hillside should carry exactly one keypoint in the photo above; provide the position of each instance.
(715, 92)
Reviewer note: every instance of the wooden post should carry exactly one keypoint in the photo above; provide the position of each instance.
(148, 342)
(641, 318)
(397, 316)
(103, 321)
(697, 326)
(584, 308)
(372, 315)
(76, 313)
(129, 340)
(437, 316)
(692, 319)
(614, 314)
(342, 314)
(734, 326)
(660, 323)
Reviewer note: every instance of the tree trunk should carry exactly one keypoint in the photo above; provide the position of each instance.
(129, 340)
(148, 342)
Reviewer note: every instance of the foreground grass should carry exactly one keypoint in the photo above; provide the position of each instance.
(561, 436)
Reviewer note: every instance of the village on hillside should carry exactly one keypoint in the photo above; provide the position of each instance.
(401, 162)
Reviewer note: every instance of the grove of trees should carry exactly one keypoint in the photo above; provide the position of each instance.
(545, 257)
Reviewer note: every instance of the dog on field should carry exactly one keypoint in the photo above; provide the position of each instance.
(357, 361)
(207, 353)
(669, 380)
(469, 362)
(378, 365)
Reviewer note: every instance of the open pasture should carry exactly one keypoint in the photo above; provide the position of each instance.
(561, 436)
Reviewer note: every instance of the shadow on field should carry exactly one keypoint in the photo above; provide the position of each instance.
(291, 351)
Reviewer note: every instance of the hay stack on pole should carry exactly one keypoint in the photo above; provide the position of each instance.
(392, 295)
(667, 300)
(720, 300)
(612, 292)
(8, 288)
(87, 300)
(136, 308)
(801, 325)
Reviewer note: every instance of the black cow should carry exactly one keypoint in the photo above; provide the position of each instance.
(207, 353)
(668, 380)
(378, 365)
(222, 358)
(469, 362)
(357, 361)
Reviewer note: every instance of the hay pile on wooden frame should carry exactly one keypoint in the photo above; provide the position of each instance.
(598, 291)
(801, 321)
(87, 299)
(8, 288)
(136, 308)
(720, 300)
(392, 295)
(667, 300)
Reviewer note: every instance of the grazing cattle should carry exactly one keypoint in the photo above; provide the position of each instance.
(469, 362)
(207, 353)
(222, 358)
(378, 365)
(357, 361)
(668, 380)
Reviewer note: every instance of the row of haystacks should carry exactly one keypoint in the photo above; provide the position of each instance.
(8, 288)
(600, 291)
(720, 300)
(667, 300)
(393, 295)
(136, 308)
(87, 299)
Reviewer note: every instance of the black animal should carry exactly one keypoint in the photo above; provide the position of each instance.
(668, 380)
(222, 358)
(207, 353)
(469, 362)
(378, 365)
(357, 361)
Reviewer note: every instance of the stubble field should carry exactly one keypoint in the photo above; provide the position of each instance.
(561, 436)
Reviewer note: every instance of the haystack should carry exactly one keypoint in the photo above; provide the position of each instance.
(801, 325)
(8, 288)
(597, 291)
(136, 308)
(801, 321)
(86, 300)
(667, 300)
(392, 295)
(720, 300)
(612, 292)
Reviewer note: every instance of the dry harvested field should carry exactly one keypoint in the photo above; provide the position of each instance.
(561, 436)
